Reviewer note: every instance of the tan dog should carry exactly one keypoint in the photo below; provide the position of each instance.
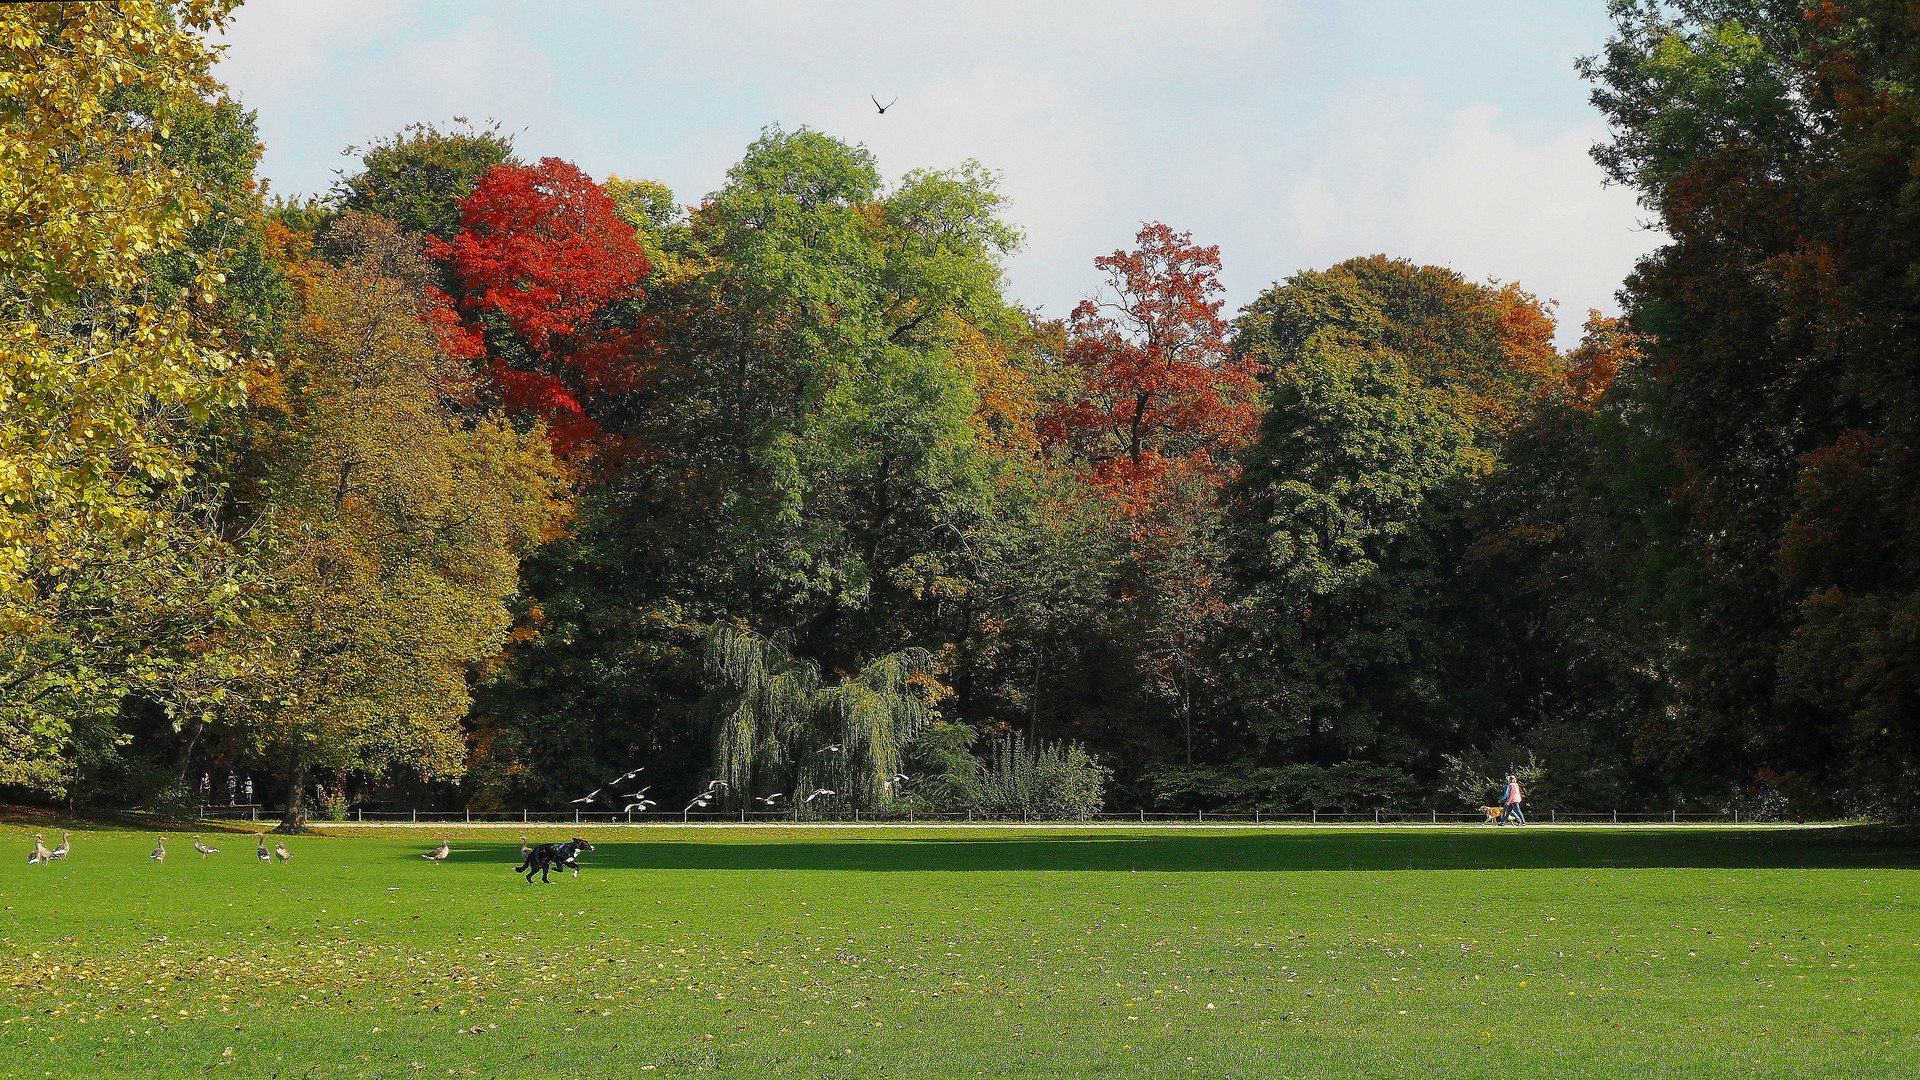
(1493, 814)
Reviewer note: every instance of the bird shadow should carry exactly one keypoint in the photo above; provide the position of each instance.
(1850, 847)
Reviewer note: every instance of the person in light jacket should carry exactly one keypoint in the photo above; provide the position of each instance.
(1511, 800)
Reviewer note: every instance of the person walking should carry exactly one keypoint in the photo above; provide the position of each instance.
(1511, 800)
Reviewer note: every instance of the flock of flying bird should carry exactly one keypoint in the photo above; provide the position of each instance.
(42, 856)
(638, 800)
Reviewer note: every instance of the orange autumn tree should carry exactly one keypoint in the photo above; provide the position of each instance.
(1607, 347)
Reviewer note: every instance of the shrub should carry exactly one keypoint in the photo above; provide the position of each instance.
(1053, 782)
(1350, 787)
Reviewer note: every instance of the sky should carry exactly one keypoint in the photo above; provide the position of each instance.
(1290, 134)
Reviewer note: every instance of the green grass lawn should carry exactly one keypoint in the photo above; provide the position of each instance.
(1351, 952)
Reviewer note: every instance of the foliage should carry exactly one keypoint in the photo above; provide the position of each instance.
(1345, 787)
(418, 176)
(1162, 388)
(392, 533)
(1771, 140)
(1336, 577)
(1584, 580)
(1681, 82)
(788, 470)
(946, 774)
(109, 569)
(1396, 391)
(217, 144)
(776, 725)
(1479, 778)
(540, 254)
(1044, 781)
(799, 458)
(1145, 414)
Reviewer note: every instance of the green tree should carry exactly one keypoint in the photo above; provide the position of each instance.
(1581, 582)
(801, 458)
(776, 724)
(1395, 392)
(417, 176)
(1338, 580)
(1771, 138)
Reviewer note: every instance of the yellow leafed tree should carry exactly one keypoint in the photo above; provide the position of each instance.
(100, 386)
(394, 533)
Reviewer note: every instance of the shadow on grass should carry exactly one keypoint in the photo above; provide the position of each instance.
(1854, 847)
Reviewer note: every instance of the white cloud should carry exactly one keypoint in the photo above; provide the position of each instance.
(1359, 153)
(1290, 137)
(482, 70)
(1536, 213)
(1389, 173)
(277, 47)
(801, 47)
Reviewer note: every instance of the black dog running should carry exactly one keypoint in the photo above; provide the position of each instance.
(547, 856)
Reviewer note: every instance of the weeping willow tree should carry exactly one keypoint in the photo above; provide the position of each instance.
(776, 725)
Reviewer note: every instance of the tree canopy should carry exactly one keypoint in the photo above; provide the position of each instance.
(480, 476)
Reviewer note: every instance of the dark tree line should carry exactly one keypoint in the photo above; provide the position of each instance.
(782, 486)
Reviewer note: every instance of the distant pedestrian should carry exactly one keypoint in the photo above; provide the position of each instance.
(1511, 800)
(249, 791)
(233, 789)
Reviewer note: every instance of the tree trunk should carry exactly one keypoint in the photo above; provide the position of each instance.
(1186, 711)
(295, 819)
(186, 759)
(1033, 713)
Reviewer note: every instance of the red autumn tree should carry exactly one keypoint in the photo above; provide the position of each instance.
(1162, 389)
(540, 255)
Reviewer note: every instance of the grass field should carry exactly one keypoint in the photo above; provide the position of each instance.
(1106, 952)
